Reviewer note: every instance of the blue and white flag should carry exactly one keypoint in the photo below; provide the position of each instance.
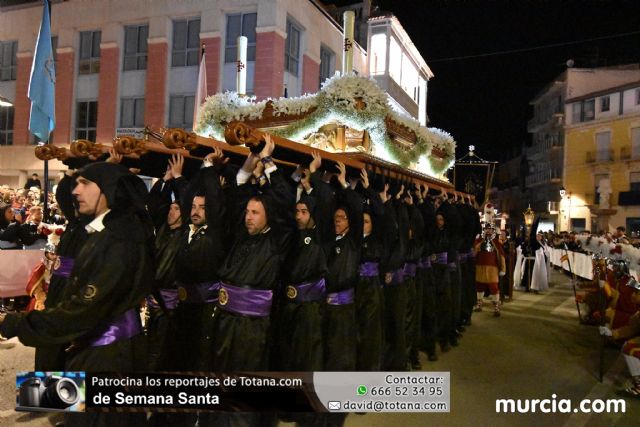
(42, 84)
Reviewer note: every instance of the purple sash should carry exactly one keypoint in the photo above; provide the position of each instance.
(170, 297)
(341, 298)
(307, 292)
(410, 269)
(439, 258)
(397, 277)
(249, 302)
(369, 269)
(64, 268)
(198, 293)
(125, 326)
(424, 263)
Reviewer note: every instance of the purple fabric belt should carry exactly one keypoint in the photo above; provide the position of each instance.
(125, 326)
(369, 269)
(198, 293)
(63, 266)
(397, 277)
(307, 292)
(248, 302)
(341, 298)
(439, 258)
(410, 269)
(424, 263)
(169, 296)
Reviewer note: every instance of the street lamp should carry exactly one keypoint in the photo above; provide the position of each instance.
(529, 216)
(4, 102)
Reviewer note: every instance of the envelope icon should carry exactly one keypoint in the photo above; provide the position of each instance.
(334, 406)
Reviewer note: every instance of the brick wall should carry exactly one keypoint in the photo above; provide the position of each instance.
(108, 93)
(156, 85)
(268, 80)
(64, 97)
(310, 75)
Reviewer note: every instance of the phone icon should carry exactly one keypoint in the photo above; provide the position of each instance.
(362, 390)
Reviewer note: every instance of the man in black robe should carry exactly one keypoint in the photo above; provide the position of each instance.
(299, 342)
(51, 357)
(396, 226)
(109, 279)
(250, 273)
(198, 257)
(343, 248)
(163, 204)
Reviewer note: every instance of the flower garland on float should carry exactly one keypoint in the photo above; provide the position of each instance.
(355, 101)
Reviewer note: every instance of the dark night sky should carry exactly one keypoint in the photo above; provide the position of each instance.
(485, 101)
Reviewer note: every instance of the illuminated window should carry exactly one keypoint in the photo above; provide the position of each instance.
(395, 60)
(378, 54)
(409, 79)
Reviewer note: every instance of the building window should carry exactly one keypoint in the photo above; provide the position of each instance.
(86, 119)
(395, 59)
(186, 43)
(576, 112)
(604, 103)
(135, 47)
(637, 96)
(327, 63)
(634, 181)
(8, 60)
(635, 143)
(588, 110)
(181, 111)
(6, 125)
(603, 145)
(378, 62)
(292, 49)
(89, 62)
(240, 24)
(132, 113)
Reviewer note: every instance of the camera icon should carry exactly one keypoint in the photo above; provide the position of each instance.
(52, 392)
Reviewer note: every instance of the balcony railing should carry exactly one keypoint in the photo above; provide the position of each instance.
(628, 153)
(543, 177)
(553, 207)
(599, 156)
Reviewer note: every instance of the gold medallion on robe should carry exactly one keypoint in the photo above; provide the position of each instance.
(182, 293)
(292, 292)
(223, 296)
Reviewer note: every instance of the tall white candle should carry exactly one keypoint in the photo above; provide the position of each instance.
(347, 43)
(241, 66)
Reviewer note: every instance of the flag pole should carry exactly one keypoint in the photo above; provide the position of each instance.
(46, 213)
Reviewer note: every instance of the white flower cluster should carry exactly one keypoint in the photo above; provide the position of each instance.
(355, 101)
(294, 106)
